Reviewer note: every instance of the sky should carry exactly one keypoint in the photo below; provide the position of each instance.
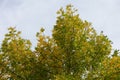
(29, 16)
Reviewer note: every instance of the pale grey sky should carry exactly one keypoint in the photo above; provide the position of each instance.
(30, 15)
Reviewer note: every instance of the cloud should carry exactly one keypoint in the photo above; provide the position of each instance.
(30, 15)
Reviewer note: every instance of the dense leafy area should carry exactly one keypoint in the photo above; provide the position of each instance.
(75, 51)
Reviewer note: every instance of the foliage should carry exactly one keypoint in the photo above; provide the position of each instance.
(64, 77)
(16, 55)
(48, 54)
(111, 68)
(82, 47)
(75, 51)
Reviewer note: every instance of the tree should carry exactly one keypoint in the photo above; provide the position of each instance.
(48, 55)
(16, 58)
(82, 47)
(75, 51)
(111, 67)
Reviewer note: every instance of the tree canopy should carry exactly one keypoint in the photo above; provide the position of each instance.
(75, 51)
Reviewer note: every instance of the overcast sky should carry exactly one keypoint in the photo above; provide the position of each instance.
(30, 15)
